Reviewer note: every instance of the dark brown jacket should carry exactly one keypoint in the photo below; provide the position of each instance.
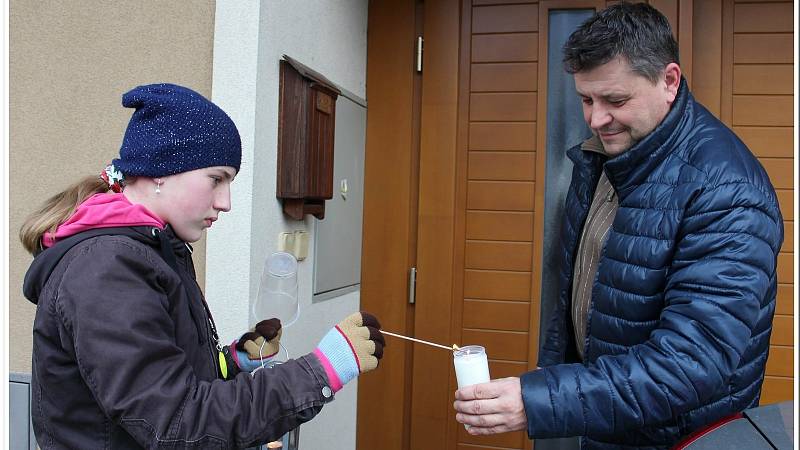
(123, 355)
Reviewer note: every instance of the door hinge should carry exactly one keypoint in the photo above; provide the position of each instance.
(412, 285)
(419, 53)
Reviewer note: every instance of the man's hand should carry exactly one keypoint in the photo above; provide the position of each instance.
(491, 408)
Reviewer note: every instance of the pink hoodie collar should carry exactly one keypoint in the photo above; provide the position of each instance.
(103, 211)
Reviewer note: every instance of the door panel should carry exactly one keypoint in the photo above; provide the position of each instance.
(497, 255)
(505, 19)
(765, 18)
(500, 345)
(766, 141)
(759, 110)
(505, 47)
(499, 225)
(762, 48)
(495, 306)
(512, 166)
(513, 106)
(384, 397)
(500, 195)
(496, 315)
(432, 392)
(520, 136)
(497, 285)
(503, 77)
(763, 79)
(756, 99)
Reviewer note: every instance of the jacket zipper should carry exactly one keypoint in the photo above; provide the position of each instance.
(212, 339)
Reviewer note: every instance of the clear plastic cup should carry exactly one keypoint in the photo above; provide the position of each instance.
(277, 293)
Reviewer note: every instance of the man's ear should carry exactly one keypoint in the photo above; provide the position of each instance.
(672, 81)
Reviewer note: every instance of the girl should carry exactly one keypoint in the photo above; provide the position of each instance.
(125, 352)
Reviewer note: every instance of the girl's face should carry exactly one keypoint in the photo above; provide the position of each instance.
(191, 201)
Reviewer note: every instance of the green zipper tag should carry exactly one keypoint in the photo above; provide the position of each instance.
(223, 366)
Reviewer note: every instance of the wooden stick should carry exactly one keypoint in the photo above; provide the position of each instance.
(418, 340)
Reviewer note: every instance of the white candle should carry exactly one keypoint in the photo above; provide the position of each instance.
(472, 365)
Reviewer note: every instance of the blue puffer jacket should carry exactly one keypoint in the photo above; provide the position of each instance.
(683, 302)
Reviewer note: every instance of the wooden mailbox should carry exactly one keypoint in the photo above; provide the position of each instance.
(307, 116)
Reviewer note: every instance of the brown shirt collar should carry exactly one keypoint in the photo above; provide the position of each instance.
(593, 144)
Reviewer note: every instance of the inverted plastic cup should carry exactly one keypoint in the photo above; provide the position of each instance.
(277, 293)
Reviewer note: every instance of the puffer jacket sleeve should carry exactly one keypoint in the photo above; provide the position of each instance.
(115, 315)
(716, 299)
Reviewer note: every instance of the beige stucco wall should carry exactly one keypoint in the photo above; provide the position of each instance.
(70, 62)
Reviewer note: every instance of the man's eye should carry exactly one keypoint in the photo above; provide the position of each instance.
(217, 180)
(617, 103)
(587, 101)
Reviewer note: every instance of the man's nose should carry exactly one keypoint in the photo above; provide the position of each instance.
(599, 117)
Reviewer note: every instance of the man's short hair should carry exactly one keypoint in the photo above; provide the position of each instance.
(638, 32)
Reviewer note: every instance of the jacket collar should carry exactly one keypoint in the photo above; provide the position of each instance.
(630, 168)
(593, 144)
(103, 210)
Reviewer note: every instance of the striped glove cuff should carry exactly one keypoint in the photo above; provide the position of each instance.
(338, 357)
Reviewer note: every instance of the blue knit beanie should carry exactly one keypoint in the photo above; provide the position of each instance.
(174, 129)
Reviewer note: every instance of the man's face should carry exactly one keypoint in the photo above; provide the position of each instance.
(622, 107)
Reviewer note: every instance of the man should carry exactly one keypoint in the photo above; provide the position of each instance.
(669, 245)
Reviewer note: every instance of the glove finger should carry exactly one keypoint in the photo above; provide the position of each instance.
(351, 321)
(259, 349)
(378, 350)
(253, 349)
(268, 328)
(368, 320)
(371, 348)
(376, 335)
(249, 336)
(275, 340)
(369, 363)
(358, 334)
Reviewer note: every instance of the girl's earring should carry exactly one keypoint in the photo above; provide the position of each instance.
(158, 186)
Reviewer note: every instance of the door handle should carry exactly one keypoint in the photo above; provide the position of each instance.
(412, 285)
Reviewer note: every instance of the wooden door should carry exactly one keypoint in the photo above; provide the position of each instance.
(743, 62)
(467, 228)
(756, 100)
(454, 182)
(390, 220)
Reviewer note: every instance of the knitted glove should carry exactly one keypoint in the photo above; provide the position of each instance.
(351, 348)
(246, 354)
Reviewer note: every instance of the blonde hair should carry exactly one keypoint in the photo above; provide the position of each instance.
(56, 210)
